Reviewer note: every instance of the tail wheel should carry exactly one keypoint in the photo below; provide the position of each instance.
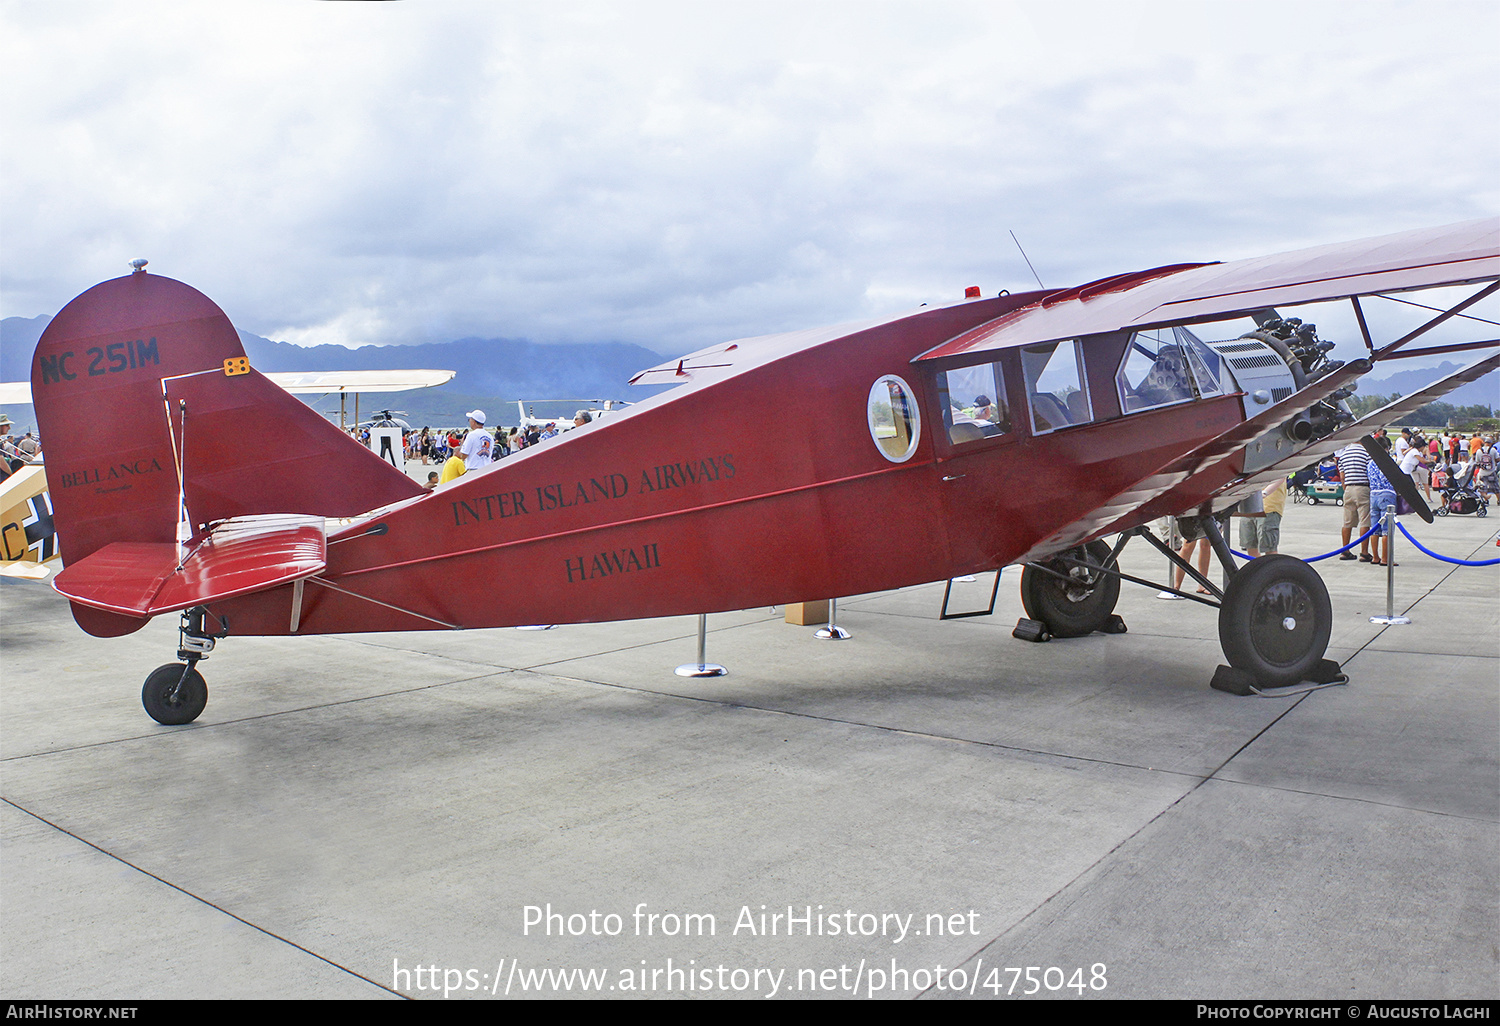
(171, 698)
(1077, 606)
(1276, 619)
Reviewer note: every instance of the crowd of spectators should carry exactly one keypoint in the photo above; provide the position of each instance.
(474, 446)
(16, 453)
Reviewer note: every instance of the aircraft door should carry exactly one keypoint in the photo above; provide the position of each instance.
(974, 465)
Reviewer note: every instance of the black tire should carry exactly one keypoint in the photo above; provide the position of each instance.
(1442, 510)
(1276, 619)
(188, 703)
(1071, 610)
(1339, 501)
(1483, 510)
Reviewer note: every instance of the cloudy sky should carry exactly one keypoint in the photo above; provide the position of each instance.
(675, 174)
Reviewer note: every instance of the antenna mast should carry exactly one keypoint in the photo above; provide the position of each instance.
(1027, 259)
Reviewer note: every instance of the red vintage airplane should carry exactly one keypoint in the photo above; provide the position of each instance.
(1012, 429)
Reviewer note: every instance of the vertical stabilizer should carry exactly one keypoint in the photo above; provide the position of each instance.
(143, 397)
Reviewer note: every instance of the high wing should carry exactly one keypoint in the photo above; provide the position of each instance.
(1456, 254)
(15, 393)
(1184, 294)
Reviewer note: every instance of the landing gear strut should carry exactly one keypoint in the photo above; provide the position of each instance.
(1275, 616)
(176, 693)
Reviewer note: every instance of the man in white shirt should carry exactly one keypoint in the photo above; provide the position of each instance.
(477, 443)
(1403, 444)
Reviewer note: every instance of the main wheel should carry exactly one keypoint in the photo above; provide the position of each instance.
(1276, 619)
(1442, 510)
(172, 709)
(1077, 606)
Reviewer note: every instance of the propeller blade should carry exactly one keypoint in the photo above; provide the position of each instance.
(1404, 485)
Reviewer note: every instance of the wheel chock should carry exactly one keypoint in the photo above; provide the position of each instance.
(1326, 672)
(1238, 682)
(1031, 630)
(1114, 625)
(1235, 682)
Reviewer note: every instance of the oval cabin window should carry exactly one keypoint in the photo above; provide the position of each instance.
(895, 423)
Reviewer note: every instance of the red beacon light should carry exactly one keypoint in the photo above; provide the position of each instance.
(972, 292)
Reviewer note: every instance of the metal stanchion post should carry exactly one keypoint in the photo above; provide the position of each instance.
(1174, 542)
(833, 632)
(1390, 619)
(701, 668)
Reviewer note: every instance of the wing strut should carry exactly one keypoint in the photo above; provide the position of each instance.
(1382, 352)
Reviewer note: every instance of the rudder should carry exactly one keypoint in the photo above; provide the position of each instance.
(132, 386)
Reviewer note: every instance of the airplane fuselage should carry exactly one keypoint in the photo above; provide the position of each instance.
(756, 485)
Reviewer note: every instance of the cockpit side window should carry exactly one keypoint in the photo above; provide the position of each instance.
(1164, 367)
(973, 402)
(1056, 388)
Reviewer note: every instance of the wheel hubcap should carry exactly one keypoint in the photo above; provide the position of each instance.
(1281, 622)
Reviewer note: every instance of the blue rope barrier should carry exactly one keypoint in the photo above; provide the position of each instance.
(1335, 552)
(1445, 559)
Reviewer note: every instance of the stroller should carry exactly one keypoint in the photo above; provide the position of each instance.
(1462, 497)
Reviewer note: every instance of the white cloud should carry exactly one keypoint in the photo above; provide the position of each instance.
(674, 174)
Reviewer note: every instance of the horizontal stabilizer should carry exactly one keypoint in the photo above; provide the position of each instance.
(240, 556)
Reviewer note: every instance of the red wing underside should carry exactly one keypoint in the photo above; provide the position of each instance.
(143, 578)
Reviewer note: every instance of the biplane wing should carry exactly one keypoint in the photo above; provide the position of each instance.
(302, 382)
(26, 530)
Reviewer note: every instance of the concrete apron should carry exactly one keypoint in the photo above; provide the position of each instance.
(351, 812)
